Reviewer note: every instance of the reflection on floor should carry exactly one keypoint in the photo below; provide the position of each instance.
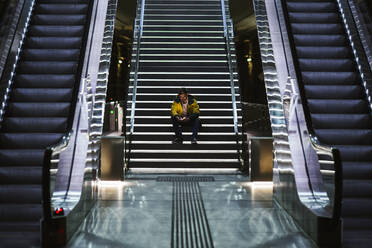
(138, 214)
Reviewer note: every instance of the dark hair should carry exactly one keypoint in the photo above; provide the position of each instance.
(183, 91)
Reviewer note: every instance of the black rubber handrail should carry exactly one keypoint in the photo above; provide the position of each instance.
(336, 215)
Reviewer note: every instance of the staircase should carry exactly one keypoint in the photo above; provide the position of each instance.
(183, 45)
(338, 106)
(38, 113)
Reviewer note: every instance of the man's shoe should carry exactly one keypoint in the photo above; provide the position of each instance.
(177, 141)
(194, 141)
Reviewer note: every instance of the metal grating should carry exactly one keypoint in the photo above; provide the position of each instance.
(190, 226)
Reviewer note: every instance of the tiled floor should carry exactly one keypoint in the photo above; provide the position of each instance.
(138, 214)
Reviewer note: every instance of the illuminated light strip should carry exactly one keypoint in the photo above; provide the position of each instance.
(177, 15)
(223, 102)
(167, 109)
(180, 4)
(170, 125)
(186, 133)
(189, 87)
(185, 142)
(199, 160)
(183, 20)
(181, 43)
(183, 80)
(181, 49)
(184, 170)
(182, 26)
(168, 117)
(188, 73)
(180, 31)
(181, 37)
(178, 54)
(183, 151)
(180, 61)
(172, 94)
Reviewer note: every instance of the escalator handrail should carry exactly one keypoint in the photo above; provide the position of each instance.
(62, 144)
(316, 144)
(10, 38)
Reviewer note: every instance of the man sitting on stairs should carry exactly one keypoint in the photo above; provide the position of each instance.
(185, 112)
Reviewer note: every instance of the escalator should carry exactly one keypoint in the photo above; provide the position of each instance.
(335, 102)
(39, 111)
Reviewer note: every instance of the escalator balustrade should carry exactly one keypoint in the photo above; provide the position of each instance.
(337, 104)
(37, 113)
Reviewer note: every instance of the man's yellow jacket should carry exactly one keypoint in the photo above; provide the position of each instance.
(192, 107)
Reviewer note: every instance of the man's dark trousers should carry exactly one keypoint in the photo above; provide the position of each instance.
(177, 126)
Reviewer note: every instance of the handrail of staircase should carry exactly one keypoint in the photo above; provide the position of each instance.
(12, 60)
(138, 33)
(231, 72)
(229, 59)
(315, 143)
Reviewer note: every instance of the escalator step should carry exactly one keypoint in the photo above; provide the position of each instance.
(47, 67)
(357, 189)
(300, 17)
(20, 194)
(59, 8)
(34, 124)
(320, 40)
(318, 52)
(312, 6)
(41, 95)
(329, 78)
(326, 65)
(11, 229)
(52, 43)
(356, 207)
(358, 106)
(38, 109)
(28, 140)
(355, 153)
(20, 239)
(345, 136)
(55, 31)
(58, 19)
(20, 175)
(17, 213)
(50, 54)
(317, 28)
(44, 80)
(356, 238)
(357, 170)
(341, 121)
(19, 157)
(334, 92)
(359, 224)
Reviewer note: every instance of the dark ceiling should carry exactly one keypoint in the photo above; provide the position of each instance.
(241, 12)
